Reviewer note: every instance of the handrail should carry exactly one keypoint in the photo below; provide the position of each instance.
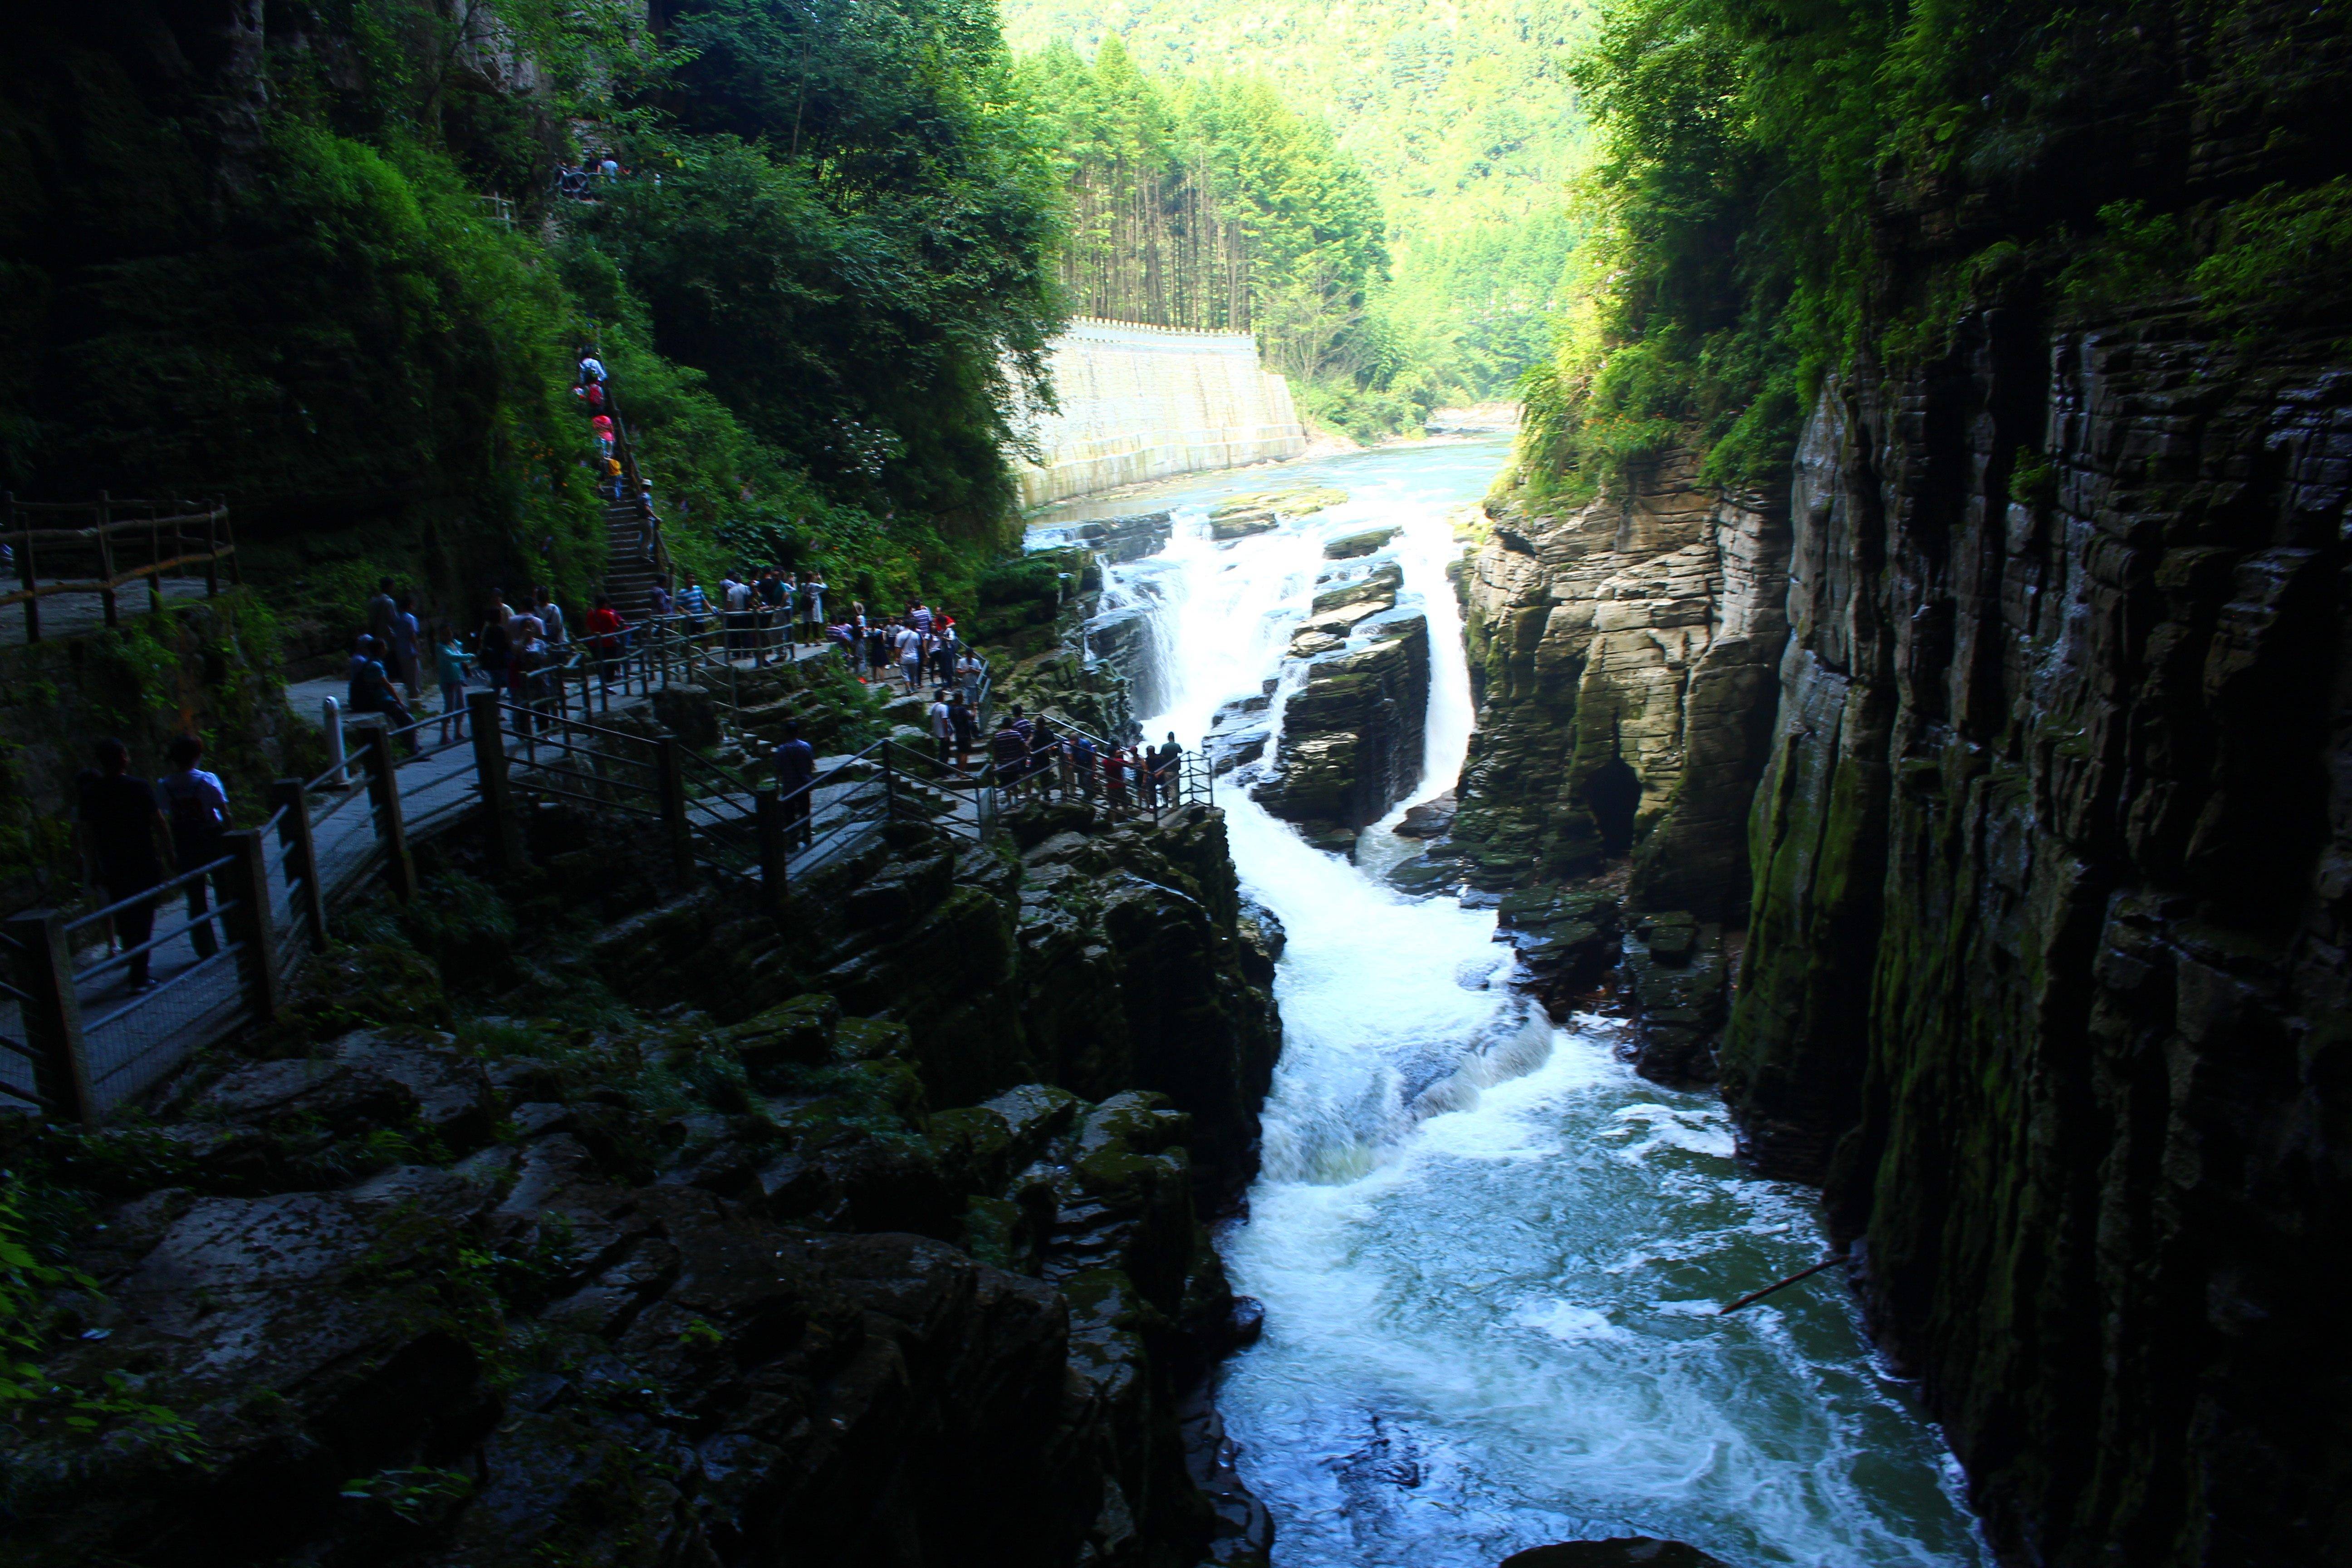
(145, 895)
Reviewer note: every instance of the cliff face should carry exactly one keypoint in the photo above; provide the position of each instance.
(2047, 975)
(1623, 655)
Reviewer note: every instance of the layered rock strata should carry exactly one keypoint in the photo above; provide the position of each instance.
(1353, 720)
(1623, 655)
(2046, 972)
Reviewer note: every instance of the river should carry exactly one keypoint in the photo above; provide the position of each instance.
(1490, 1255)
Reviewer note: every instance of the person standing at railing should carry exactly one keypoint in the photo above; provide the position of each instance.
(664, 606)
(794, 761)
(494, 645)
(1009, 750)
(605, 630)
(693, 605)
(813, 608)
(120, 826)
(1083, 761)
(966, 725)
(196, 805)
(551, 617)
(450, 661)
(1164, 765)
(968, 674)
(1113, 772)
(1146, 781)
(739, 601)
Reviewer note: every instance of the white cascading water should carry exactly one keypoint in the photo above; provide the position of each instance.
(1490, 1255)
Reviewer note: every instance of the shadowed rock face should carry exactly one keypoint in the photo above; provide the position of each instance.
(2046, 972)
(1623, 654)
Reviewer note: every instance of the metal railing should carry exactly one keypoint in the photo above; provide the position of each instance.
(124, 543)
(73, 1047)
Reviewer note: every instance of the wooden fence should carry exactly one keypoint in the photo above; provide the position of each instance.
(121, 544)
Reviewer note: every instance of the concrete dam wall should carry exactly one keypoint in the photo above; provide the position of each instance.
(1142, 403)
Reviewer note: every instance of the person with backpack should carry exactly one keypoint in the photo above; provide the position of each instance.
(196, 806)
(120, 827)
(1082, 763)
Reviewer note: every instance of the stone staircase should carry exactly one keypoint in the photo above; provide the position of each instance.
(629, 576)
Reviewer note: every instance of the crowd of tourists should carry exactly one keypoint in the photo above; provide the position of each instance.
(1037, 758)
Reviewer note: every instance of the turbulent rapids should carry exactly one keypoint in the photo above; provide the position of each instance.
(1491, 1255)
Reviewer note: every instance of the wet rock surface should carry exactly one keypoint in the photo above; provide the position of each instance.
(1352, 728)
(1116, 540)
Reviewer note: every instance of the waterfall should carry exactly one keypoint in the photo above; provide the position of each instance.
(1490, 1256)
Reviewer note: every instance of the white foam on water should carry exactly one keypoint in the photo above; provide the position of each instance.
(1491, 1257)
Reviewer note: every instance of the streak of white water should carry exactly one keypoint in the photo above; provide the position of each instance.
(1490, 1255)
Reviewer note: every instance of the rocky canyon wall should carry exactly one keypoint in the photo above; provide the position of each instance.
(2047, 976)
(1141, 403)
(2037, 702)
(2047, 973)
(1623, 652)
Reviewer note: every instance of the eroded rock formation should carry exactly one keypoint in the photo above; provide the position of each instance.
(1623, 654)
(1352, 726)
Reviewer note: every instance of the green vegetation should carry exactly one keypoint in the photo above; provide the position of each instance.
(1460, 121)
(1731, 263)
(1212, 202)
(334, 284)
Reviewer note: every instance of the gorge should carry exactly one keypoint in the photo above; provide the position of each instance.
(1863, 783)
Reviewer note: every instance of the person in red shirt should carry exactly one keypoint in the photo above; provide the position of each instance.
(605, 628)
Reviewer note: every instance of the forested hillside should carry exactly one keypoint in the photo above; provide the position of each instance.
(1213, 203)
(253, 254)
(1463, 118)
